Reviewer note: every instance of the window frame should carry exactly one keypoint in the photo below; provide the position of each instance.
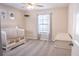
(44, 24)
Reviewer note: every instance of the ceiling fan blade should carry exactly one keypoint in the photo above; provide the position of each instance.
(29, 4)
(40, 5)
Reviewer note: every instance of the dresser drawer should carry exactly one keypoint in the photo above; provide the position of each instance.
(62, 44)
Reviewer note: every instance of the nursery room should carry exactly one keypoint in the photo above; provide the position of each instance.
(39, 29)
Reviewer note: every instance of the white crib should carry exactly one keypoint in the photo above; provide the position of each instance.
(12, 37)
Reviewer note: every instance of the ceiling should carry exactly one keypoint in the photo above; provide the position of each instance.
(23, 6)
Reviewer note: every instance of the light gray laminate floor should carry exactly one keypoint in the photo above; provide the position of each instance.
(38, 48)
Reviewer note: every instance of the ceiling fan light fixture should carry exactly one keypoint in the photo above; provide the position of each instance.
(30, 7)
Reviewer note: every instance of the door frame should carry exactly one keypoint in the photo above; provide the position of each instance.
(1, 52)
(75, 46)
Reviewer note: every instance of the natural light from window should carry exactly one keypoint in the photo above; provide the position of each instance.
(43, 23)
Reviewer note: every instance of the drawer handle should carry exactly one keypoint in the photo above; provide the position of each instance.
(71, 44)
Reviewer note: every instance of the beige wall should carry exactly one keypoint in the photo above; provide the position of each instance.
(19, 17)
(59, 21)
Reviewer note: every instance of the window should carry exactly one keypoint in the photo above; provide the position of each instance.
(43, 23)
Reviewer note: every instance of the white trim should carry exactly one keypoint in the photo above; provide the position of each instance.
(76, 42)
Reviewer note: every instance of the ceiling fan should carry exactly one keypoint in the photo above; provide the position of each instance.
(36, 5)
(32, 5)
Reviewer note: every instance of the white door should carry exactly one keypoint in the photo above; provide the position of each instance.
(43, 26)
(75, 48)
